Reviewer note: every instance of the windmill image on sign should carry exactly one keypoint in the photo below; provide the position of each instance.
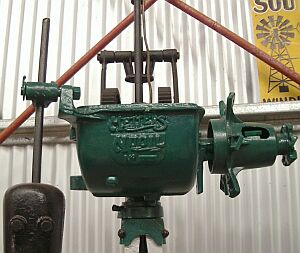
(276, 33)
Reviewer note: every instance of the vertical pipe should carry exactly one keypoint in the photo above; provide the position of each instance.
(138, 61)
(39, 108)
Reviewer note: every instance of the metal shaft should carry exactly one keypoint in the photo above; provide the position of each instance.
(37, 145)
(138, 62)
(74, 69)
(143, 244)
(175, 81)
(103, 77)
(39, 108)
(44, 50)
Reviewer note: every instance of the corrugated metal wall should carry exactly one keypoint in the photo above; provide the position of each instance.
(264, 218)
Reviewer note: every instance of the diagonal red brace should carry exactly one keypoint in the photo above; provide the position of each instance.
(252, 49)
(74, 69)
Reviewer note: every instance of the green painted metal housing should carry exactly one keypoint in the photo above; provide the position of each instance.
(135, 150)
(238, 145)
(151, 150)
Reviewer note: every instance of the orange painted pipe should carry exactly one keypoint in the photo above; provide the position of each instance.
(252, 49)
(74, 69)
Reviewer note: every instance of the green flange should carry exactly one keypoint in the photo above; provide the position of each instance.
(285, 143)
(238, 145)
(141, 217)
(133, 228)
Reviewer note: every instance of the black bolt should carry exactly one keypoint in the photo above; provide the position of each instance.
(121, 233)
(17, 223)
(165, 233)
(46, 224)
(116, 208)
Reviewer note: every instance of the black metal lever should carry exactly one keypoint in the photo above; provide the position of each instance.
(127, 58)
(167, 55)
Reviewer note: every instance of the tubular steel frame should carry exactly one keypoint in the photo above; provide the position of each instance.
(252, 49)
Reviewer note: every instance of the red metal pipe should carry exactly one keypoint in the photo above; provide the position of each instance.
(74, 69)
(252, 49)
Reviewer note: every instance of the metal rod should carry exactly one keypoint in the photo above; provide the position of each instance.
(39, 108)
(74, 69)
(175, 81)
(143, 244)
(37, 145)
(103, 77)
(252, 49)
(44, 50)
(138, 63)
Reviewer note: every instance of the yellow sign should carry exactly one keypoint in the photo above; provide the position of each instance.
(277, 32)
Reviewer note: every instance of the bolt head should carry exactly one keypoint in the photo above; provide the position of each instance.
(46, 224)
(17, 223)
(121, 233)
(112, 181)
(165, 233)
(116, 208)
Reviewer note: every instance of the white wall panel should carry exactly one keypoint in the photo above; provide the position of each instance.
(264, 218)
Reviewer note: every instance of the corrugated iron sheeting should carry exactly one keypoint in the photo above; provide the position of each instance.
(264, 218)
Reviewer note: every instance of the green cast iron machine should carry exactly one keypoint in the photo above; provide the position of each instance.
(143, 151)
